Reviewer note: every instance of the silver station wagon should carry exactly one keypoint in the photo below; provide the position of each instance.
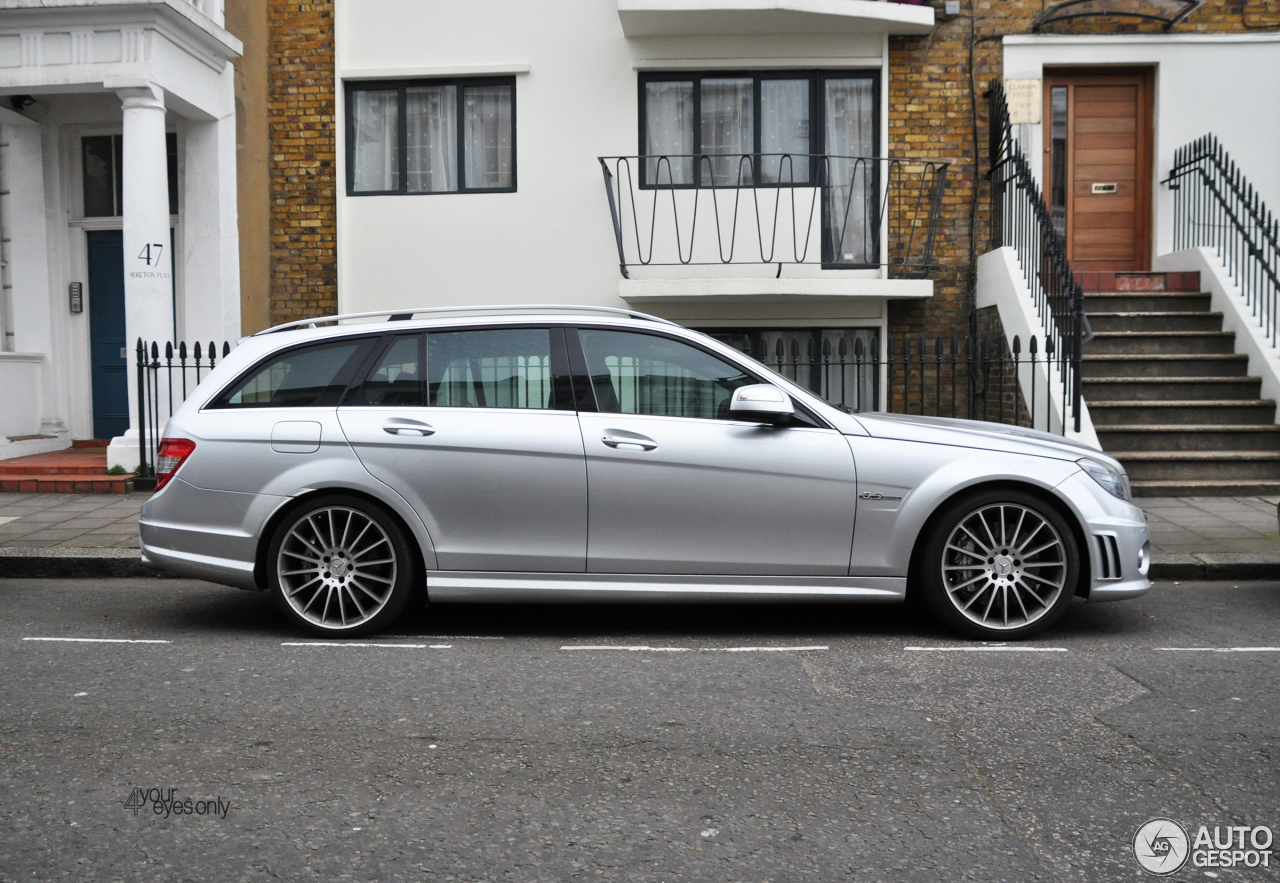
(588, 454)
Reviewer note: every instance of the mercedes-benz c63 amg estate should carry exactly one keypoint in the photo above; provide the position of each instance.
(586, 454)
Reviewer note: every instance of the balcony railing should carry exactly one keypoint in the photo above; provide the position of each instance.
(833, 212)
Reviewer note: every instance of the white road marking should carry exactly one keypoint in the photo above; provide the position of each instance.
(632, 649)
(357, 644)
(767, 649)
(99, 640)
(1224, 649)
(989, 649)
(647, 649)
(5, 519)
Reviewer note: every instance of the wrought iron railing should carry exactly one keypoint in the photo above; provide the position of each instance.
(830, 211)
(1214, 205)
(1020, 219)
(976, 378)
(163, 384)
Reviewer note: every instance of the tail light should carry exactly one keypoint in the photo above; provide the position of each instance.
(172, 454)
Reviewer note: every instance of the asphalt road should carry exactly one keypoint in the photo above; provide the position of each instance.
(491, 750)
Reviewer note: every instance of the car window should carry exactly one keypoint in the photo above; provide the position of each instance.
(634, 373)
(396, 379)
(502, 368)
(299, 378)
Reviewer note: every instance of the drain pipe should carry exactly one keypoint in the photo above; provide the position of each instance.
(6, 277)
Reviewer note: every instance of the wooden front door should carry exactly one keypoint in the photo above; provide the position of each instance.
(1097, 165)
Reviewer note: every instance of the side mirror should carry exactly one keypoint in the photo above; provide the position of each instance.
(761, 402)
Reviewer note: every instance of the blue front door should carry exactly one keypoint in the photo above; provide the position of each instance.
(110, 353)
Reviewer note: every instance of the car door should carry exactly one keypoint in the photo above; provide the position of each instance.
(472, 429)
(676, 486)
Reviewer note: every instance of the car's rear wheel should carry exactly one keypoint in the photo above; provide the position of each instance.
(341, 566)
(1001, 565)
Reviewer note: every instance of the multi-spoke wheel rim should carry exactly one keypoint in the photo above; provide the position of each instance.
(1004, 566)
(337, 567)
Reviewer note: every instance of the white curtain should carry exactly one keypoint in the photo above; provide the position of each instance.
(487, 143)
(431, 119)
(377, 140)
(668, 127)
(728, 131)
(784, 129)
(851, 194)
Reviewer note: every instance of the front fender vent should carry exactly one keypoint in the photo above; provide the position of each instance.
(1108, 557)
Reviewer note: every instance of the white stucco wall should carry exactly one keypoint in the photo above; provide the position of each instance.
(1227, 84)
(576, 100)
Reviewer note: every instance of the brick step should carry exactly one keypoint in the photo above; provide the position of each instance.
(1154, 389)
(1190, 437)
(91, 443)
(1138, 280)
(1195, 465)
(1206, 488)
(11, 468)
(1144, 302)
(66, 484)
(1156, 321)
(1167, 342)
(1166, 365)
(1111, 413)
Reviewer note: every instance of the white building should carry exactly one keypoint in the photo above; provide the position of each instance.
(117, 206)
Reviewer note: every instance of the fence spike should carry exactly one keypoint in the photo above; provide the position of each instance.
(1031, 346)
(826, 347)
(155, 350)
(1017, 345)
(182, 350)
(213, 348)
(857, 347)
(168, 350)
(196, 350)
(843, 349)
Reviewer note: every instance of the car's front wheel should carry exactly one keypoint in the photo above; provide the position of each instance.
(999, 565)
(340, 566)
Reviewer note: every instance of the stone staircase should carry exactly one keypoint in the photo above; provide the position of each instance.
(1169, 397)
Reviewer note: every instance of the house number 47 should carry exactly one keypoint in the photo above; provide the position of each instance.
(151, 253)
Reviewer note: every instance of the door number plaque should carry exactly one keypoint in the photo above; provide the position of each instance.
(1104, 188)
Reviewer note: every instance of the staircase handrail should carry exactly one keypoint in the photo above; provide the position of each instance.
(1020, 219)
(1220, 209)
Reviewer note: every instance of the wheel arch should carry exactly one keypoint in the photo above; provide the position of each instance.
(1083, 579)
(285, 510)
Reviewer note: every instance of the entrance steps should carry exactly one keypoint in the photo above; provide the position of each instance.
(81, 469)
(1169, 396)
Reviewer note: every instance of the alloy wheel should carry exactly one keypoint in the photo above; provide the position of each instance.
(1004, 566)
(337, 567)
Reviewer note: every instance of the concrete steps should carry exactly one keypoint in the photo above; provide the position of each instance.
(1169, 396)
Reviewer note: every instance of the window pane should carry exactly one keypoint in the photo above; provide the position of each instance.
(431, 118)
(488, 136)
(99, 185)
(851, 197)
(396, 380)
(490, 369)
(171, 167)
(728, 131)
(784, 129)
(1058, 159)
(376, 131)
(301, 378)
(668, 128)
(645, 374)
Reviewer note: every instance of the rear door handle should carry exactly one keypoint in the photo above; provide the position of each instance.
(616, 437)
(404, 426)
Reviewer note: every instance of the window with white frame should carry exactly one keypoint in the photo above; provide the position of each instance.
(431, 136)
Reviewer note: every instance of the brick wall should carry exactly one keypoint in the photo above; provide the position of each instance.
(304, 279)
(933, 84)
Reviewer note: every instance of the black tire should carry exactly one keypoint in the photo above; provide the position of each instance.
(988, 586)
(340, 566)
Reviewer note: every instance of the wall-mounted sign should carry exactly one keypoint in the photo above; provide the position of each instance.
(1025, 100)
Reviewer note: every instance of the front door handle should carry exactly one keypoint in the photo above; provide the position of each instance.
(404, 426)
(615, 437)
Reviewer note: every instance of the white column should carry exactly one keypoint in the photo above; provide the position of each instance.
(148, 266)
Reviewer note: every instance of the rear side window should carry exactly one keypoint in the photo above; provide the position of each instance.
(305, 377)
(501, 368)
(397, 378)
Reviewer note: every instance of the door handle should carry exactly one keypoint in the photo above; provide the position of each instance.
(616, 437)
(407, 427)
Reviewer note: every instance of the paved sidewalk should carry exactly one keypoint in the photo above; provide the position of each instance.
(1191, 537)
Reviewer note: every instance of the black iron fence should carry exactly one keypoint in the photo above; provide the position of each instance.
(843, 212)
(1020, 218)
(163, 384)
(975, 378)
(1214, 205)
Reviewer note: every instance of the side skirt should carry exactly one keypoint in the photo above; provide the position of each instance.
(475, 586)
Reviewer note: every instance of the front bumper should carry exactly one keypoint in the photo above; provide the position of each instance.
(1119, 547)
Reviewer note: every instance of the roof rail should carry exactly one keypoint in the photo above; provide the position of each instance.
(488, 308)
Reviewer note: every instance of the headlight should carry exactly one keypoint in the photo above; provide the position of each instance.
(1113, 480)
